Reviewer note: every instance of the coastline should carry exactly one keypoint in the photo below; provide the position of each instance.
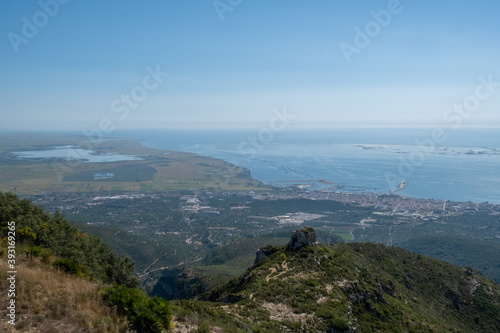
(450, 173)
(205, 171)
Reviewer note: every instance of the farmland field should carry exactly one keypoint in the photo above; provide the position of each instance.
(153, 170)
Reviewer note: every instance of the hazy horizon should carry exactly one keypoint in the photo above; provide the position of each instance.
(68, 65)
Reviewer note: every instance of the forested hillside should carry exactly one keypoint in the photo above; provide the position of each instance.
(68, 281)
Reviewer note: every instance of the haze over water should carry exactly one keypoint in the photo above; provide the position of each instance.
(463, 168)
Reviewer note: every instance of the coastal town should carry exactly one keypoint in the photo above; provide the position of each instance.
(390, 204)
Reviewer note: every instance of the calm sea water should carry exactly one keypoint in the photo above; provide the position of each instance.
(463, 165)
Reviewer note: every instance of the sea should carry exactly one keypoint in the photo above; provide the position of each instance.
(435, 163)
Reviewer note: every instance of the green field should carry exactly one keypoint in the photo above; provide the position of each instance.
(157, 170)
(345, 235)
(122, 173)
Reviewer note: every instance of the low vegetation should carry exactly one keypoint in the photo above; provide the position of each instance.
(50, 300)
(64, 278)
(145, 314)
(41, 234)
(368, 287)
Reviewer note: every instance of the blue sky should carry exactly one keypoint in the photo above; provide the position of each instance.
(231, 73)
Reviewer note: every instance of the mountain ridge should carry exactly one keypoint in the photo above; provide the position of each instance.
(361, 287)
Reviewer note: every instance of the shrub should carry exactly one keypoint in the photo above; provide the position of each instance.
(144, 313)
(332, 319)
(339, 324)
(70, 267)
(204, 328)
(34, 251)
(46, 255)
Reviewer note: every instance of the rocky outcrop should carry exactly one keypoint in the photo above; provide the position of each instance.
(264, 252)
(303, 237)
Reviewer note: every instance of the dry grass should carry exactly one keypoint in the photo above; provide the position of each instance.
(49, 301)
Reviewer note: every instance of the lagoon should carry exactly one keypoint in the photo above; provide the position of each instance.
(72, 153)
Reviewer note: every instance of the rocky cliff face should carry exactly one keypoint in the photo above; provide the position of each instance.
(300, 238)
(303, 237)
